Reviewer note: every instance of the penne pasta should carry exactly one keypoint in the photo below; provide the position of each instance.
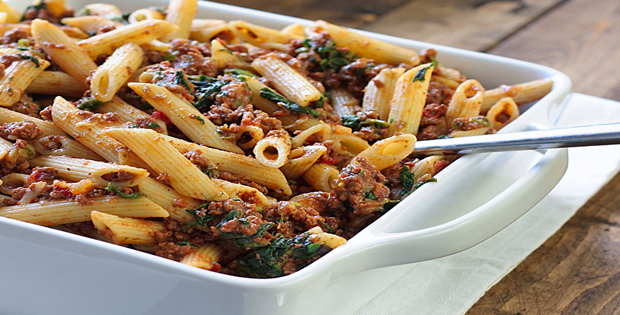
(139, 33)
(63, 145)
(387, 152)
(169, 199)
(364, 46)
(321, 176)
(126, 230)
(344, 103)
(48, 128)
(183, 115)
(246, 193)
(286, 80)
(301, 159)
(69, 211)
(258, 35)
(180, 13)
(63, 51)
(466, 101)
(205, 257)
(56, 83)
(521, 93)
(380, 90)
(145, 14)
(90, 24)
(19, 75)
(271, 178)
(264, 149)
(502, 113)
(155, 151)
(115, 71)
(100, 173)
(205, 30)
(409, 99)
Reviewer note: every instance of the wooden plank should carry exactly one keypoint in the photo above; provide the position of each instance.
(581, 38)
(475, 25)
(576, 271)
(350, 13)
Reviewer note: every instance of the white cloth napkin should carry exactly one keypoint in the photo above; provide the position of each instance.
(451, 285)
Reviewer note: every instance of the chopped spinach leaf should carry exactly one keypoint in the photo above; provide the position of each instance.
(267, 262)
(370, 196)
(240, 72)
(207, 89)
(329, 228)
(269, 94)
(154, 125)
(169, 57)
(202, 220)
(180, 79)
(112, 188)
(31, 58)
(418, 185)
(90, 104)
(186, 244)
(351, 121)
(202, 121)
(407, 179)
(390, 204)
(421, 75)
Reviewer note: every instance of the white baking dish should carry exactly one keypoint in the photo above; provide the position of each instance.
(45, 271)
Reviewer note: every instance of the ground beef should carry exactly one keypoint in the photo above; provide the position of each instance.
(333, 156)
(120, 176)
(25, 130)
(26, 108)
(360, 187)
(149, 123)
(293, 218)
(46, 113)
(427, 55)
(7, 60)
(372, 131)
(52, 142)
(191, 60)
(438, 93)
(241, 179)
(428, 133)
(42, 174)
(200, 161)
(41, 12)
(470, 123)
(13, 36)
(163, 178)
(172, 251)
(101, 119)
(82, 228)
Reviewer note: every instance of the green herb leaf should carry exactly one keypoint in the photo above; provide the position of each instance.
(269, 94)
(202, 121)
(390, 204)
(240, 72)
(202, 221)
(31, 58)
(169, 57)
(186, 244)
(351, 121)
(421, 75)
(112, 188)
(418, 185)
(370, 196)
(180, 79)
(407, 179)
(154, 125)
(90, 104)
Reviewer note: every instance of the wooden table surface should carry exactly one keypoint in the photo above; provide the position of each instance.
(577, 271)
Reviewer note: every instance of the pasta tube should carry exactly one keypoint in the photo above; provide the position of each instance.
(63, 51)
(502, 113)
(205, 257)
(100, 173)
(115, 71)
(69, 211)
(184, 115)
(380, 90)
(19, 75)
(286, 80)
(280, 142)
(364, 46)
(466, 101)
(155, 151)
(180, 13)
(126, 230)
(409, 99)
(301, 159)
(139, 33)
(521, 93)
(56, 83)
(387, 152)
(320, 176)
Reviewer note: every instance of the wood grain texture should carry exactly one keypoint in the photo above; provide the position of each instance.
(580, 38)
(475, 25)
(575, 272)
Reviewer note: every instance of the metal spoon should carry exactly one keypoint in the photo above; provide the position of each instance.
(526, 140)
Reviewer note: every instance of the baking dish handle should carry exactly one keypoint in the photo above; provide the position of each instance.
(382, 248)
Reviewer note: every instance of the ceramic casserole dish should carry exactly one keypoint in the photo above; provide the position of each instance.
(46, 271)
